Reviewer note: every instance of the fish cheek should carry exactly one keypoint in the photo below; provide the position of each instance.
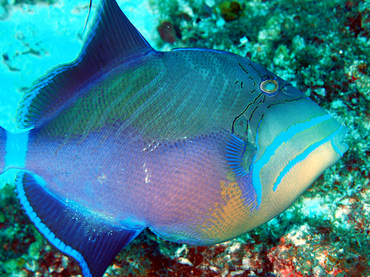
(297, 141)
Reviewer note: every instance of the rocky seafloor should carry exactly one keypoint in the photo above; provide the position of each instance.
(322, 47)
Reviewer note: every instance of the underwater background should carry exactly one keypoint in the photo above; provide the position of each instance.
(321, 47)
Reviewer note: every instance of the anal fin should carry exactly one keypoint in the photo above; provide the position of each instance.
(88, 240)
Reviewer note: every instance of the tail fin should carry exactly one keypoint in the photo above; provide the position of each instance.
(13, 149)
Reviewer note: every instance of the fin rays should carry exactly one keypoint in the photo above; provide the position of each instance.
(93, 244)
(111, 40)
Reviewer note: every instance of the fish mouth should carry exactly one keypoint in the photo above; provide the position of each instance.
(338, 141)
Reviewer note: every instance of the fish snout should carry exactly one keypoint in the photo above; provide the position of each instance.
(339, 141)
(296, 142)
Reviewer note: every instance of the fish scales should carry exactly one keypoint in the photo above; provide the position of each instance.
(198, 145)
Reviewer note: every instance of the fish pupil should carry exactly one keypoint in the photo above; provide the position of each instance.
(269, 86)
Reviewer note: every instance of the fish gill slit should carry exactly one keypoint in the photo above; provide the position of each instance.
(237, 117)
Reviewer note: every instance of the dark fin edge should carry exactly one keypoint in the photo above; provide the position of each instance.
(112, 37)
(91, 243)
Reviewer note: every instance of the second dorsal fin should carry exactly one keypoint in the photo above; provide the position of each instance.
(112, 37)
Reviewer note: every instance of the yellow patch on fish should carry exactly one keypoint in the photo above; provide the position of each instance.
(226, 218)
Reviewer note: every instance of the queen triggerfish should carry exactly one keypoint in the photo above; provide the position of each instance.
(198, 145)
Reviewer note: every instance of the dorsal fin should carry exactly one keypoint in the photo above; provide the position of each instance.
(112, 37)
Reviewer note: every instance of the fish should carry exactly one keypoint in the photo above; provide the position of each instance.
(198, 145)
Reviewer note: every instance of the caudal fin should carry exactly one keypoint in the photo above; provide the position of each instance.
(13, 150)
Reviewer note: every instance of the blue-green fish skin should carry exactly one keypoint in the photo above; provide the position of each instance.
(198, 145)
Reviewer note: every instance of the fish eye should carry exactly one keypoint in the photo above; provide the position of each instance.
(269, 87)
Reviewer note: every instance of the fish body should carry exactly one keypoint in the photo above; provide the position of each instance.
(198, 145)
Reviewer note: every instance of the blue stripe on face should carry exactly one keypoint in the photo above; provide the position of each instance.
(257, 185)
(46, 231)
(16, 150)
(305, 154)
(277, 142)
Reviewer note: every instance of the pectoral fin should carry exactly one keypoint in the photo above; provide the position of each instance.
(238, 154)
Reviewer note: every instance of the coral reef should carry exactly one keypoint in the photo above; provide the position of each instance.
(323, 48)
